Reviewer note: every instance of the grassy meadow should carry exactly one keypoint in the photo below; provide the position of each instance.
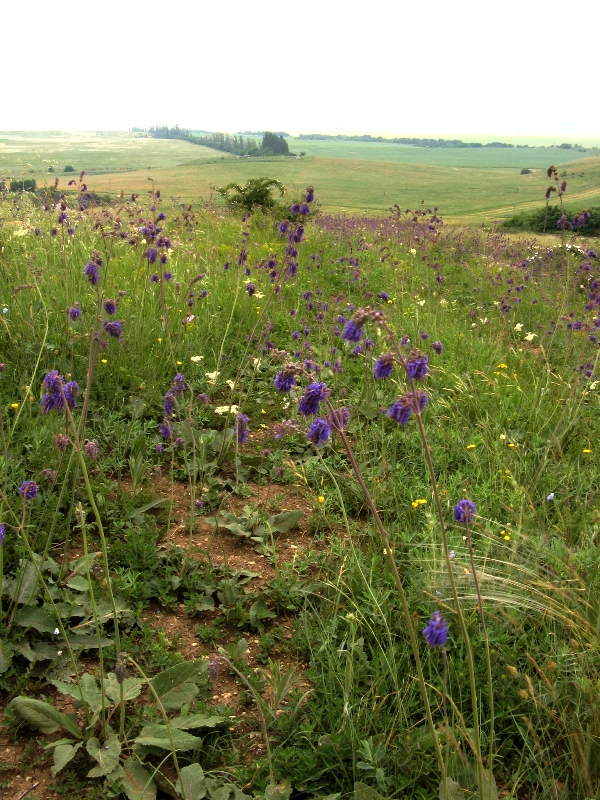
(297, 505)
(469, 186)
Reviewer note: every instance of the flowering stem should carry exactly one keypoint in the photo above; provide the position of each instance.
(487, 653)
(459, 613)
(405, 609)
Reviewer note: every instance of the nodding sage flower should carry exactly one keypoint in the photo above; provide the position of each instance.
(110, 307)
(284, 380)
(464, 511)
(338, 419)
(313, 396)
(437, 348)
(251, 289)
(166, 429)
(178, 387)
(419, 400)
(383, 296)
(416, 366)
(352, 331)
(401, 410)
(58, 393)
(90, 448)
(319, 431)
(2, 529)
(74, 312)
(91, 273)
(383, 366)
(169, 404)
(436, 633)
(240, 429)
(113, 328)
(28, 490)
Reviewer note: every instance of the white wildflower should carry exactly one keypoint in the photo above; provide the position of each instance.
(227, 409)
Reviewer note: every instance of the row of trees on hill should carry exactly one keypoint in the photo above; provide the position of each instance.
(272, 143)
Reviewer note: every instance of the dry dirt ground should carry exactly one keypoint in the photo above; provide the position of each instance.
(25, 766)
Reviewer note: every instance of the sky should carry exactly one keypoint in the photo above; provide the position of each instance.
(434, 68)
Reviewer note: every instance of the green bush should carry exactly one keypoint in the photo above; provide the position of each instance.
(544, 220)
(24, 185)
(256, 193)
(69, 168)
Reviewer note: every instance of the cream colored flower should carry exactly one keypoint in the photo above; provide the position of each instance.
(212, 376)
(227, 409)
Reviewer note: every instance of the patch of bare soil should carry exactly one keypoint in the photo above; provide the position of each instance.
(25, 765)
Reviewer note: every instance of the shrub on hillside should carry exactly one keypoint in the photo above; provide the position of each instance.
(26, 185)
(544, 220)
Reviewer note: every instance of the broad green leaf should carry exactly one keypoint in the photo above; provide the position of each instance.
(152, 504)
(131, 688)
(192, 785)
(490, 790)
(286, 520)
(79, 583)
(78, 566)
(70, 689)
(454, 790)
(91, 692)
(43, 716)
(6, 652)
(37, 618)
(63, 753)
(364, 792)
(224, 792)
(278, 791)
(136, 781)
(158, 736)
(107, 755)
(195, 721)
(21, 590)
(90, 642)
(177, 686)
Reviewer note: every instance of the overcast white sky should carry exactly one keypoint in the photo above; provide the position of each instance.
(526, 67)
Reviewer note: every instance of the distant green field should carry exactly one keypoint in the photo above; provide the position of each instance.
(345, 185)
(466, 185)
(22, 153)
(477, 158)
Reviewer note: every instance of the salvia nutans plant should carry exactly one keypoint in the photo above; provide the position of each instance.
(387, 365)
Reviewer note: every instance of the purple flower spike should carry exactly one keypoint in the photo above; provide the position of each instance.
(2, 529)
(74, 312)
(110, 306)
(438, 347)
(464, 511)
(319, 432)
(436, 633)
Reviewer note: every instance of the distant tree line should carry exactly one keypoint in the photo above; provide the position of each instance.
(416, 142)
(272, 143)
